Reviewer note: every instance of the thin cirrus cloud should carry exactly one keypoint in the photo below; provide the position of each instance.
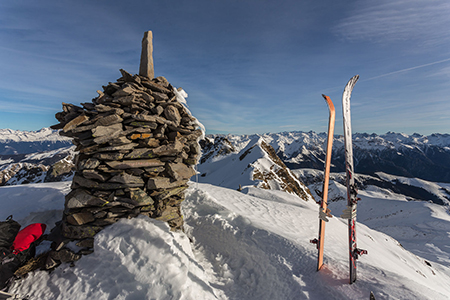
(401, 20)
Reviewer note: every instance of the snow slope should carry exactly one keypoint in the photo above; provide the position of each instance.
(252, 244)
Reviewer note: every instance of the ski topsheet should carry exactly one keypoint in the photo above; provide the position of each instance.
(350, 211)
(324, 212)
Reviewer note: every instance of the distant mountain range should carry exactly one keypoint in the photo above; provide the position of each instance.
(260, 160)
(425, 157)
(13, 142)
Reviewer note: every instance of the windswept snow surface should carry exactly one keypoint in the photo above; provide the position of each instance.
(252, 244)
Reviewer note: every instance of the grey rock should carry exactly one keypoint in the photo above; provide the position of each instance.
(93, 174)
(130, 164)
(79, 232)
(163, 183)
(80, 218)
(171, 113)
(106, 130)
(81, 198)
(141, 197)
(127, 179)
(86, 243)
(180, 171)
(171, 149)
(139, 153)
(75, 122)
(109, 120)
(109, 156)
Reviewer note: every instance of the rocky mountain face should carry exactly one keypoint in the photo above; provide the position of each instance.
(255, 164)
(47, 166)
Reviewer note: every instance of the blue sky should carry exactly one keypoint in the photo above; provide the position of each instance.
(248, 66)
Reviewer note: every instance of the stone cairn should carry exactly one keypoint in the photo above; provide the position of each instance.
(137, 145)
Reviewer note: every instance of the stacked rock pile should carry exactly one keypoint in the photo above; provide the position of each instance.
(137, 145)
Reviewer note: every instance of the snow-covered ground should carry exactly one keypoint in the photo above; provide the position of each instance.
(252, 244)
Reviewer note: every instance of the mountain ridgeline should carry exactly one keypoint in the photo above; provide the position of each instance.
(259, 160)
(425, 157)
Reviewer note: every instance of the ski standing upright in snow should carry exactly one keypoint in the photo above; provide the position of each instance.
(324, 211)
(350, 212)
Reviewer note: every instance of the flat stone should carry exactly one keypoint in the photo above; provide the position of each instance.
(118, 148)
(106, 138)
(170, 192)
(80, 218)
(171, 113)
(83, 128)
(171, 149)
(87, 183)
(148, 125)
(79, 232)
(81, 198)
(160, 96)
(155, 170)
(127, 179)
(75, 122)
(109, 120)
(66, 256)
(104, 108)
(152, 143)
(93, 174)
(141, 197)
(147, 97)
(180, 171)
(125, 91)
(109, 156)
(161, 80)
(125, 100)
(140, 153)
(90, 163)
(163, 183)
(106, 130)
(86, 243)
(146, 118)
(127, 76)
(131, 164)
(170, 213)
(119, 141)
(155, 87)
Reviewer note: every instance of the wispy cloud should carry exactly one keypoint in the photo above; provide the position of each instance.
(398, 20)
(408, 69)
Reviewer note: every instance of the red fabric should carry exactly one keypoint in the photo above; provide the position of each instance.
(27, 236)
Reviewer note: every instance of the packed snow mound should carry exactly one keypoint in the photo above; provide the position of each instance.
(244, 245)
(133, 259)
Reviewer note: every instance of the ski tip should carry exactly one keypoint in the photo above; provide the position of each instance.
(355, 78)
(325, 96)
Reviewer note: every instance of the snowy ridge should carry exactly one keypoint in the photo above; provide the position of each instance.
(256, 164)
(44, 134)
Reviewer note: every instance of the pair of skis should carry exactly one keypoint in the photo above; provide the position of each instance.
(350, 212)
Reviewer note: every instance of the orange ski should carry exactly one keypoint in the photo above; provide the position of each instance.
(324, 212)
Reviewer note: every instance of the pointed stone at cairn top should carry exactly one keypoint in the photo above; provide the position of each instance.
(146, 67)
